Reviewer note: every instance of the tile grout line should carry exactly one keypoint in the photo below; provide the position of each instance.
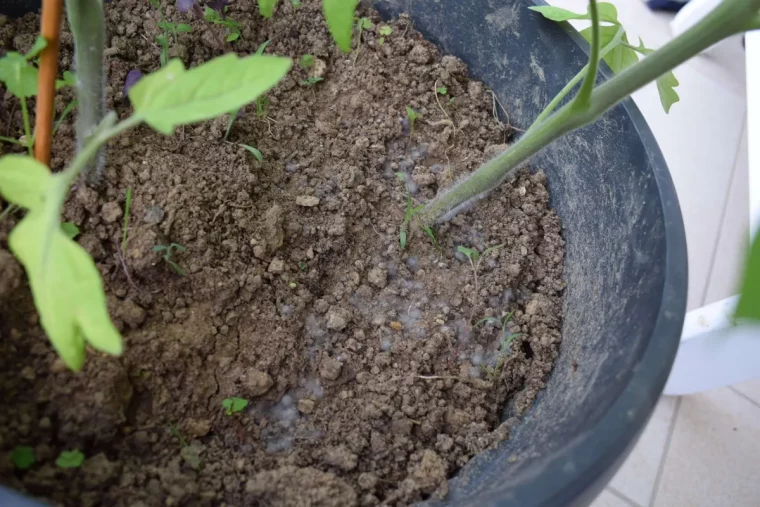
(666, 450)
(744, 396)
(622, 497)
(723, 213)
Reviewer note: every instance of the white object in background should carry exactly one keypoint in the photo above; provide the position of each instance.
(713, 353)
(690, 14)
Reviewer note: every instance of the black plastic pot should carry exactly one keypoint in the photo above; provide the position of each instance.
(626, 268)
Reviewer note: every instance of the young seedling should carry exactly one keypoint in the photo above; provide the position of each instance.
(168, 253)
(235, 113)
(23, 457)
(409, 212)
(125, 226)
(505, 338)
(70, 459)
(70, 230)
(306, 62)
(234, 405)
(231, 27)
(441, 90)
(362, 24)
(384, 32)
(412, 116)
(253, 151)
(475, 258)
(311, 81)
(170, 30)
(296, 4)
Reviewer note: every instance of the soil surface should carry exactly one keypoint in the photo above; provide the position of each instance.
(370, 374)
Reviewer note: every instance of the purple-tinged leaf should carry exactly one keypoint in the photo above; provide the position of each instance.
(185, 5)
(133, 76)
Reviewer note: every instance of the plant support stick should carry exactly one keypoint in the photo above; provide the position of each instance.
(51, 31)
(87, 23)
(730, 17)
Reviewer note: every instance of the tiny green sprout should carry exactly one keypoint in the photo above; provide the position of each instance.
(292, 285)
(170, 30)
(306, 62)
(232, 27)
(22, 457)
(384, 32)
(125, 226)
(176, 433)
(168, 252)
(70, 230)
(234, 405)
(430, 233)
(412, 115)
(475, 257)
(441, 90)
(311, 81)
(303, 266)
(296, 4)
(70, 459)
(362, 24)
(506, 339)
(409, 212)
(253, 151)
(262, 103)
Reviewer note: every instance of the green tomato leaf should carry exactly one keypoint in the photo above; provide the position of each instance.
(39, 44)
(66, 285)
(621, 56)
(665, 83)
(70, 459)
(70, 230)
(19, 76)
(174, 96)
(339, 15)
(22, 457)
(69, 79)
(23, 181)
(266, 7)
(607, 12)
(749, 301)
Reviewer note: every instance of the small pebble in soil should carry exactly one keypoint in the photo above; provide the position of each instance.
(153, 215)
(329, 368)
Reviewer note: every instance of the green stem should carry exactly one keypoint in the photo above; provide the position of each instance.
(27, 127)
(87, 22)
(583, 98)
(728, 18)
(576, 79)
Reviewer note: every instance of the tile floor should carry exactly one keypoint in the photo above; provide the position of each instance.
(701, 450)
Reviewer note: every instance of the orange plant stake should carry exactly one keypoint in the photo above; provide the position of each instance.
(51, 31)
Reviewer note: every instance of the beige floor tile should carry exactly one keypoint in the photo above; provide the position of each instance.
(608, 499)
(636, 478)
(713, 455)
(750, 389)
(734, 233)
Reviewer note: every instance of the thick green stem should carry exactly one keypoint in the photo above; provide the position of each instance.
(730, 17)
(87, 23)
(583, 98)
(27, 127)
(576, 79)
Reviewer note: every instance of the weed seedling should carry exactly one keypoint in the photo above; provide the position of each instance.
(125, 226)
(70, 459)
(234, 405)
(361, 25)
(412, 115)
(311, 81)
(253, 151)
(303, 266)
(441, 90)
(296, 4)
(170, 30)
(176, 433)
(22, 457)
(475, 257)
(232, 27)
(384, 32)
(306, 62)
(168, 253)
(410, 211)
(505, 338)
(262, 104)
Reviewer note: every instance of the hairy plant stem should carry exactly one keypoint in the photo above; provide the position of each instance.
(28, 141)
(87, 23)
(576, 79)
(728, 18)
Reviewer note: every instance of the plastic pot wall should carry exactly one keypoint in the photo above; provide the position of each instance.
(625, 269)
